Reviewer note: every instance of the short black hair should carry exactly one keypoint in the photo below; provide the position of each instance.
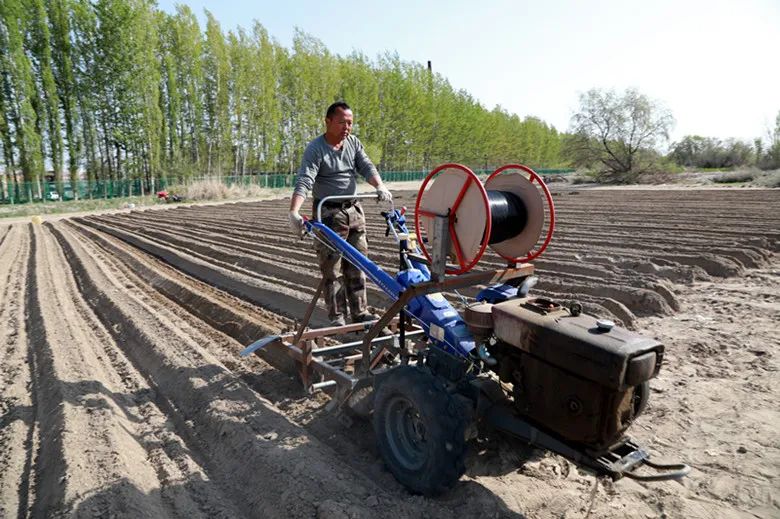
(335, 106)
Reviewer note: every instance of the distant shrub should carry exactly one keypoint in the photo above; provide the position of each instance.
(582, 176)
(708, 152)
(734, 177)
(769, 179)
(669, 166)
(206, 190)
(658, 177)
(216, 189)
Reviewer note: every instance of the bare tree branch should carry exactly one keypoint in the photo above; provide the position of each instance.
(619, 132)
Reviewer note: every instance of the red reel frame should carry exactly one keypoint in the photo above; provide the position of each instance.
(551, 228)
(463, 267)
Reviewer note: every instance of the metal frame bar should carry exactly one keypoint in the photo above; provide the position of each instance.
(300, 345)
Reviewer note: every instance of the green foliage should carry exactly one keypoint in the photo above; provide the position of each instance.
(62, 64)
(734, 177)
(117, 90)
(707, 152)
(21, 95)
(616, 134)
(669, 166)
(769, 159)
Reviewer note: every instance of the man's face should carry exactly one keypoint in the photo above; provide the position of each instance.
(339, 126)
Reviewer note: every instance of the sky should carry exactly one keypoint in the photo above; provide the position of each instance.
(714, 63)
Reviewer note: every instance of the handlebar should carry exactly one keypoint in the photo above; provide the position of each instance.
(336, 198)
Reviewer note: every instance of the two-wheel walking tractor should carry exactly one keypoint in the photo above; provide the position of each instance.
(433, 378)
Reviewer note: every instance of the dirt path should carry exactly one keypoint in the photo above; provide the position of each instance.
(714, 406)
(353, 448)
(231, 431)
(122, 394)
(18, 394)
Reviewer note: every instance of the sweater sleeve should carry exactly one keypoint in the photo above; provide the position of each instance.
(310, 165)
(363, 163)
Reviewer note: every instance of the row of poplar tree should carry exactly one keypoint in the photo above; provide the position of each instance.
(118, 89)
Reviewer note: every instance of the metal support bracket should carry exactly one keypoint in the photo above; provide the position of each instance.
(441, 247)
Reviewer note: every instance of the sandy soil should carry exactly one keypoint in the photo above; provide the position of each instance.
(122, 394)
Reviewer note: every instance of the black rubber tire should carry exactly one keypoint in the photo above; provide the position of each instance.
(641, 396)
(420, 430)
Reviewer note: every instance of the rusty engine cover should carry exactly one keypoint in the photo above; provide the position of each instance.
(571, 376)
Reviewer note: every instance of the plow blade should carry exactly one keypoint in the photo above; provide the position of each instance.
(260, 344)
(318, 365)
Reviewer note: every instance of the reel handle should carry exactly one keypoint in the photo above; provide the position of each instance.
(336, 198)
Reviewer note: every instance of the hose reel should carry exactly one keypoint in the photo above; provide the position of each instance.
(507, 213)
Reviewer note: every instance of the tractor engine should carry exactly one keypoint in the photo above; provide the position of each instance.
(581, 378)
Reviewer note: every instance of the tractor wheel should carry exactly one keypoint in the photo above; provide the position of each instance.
(420, 430)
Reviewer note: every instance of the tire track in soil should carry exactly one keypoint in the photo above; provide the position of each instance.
(49, 468)
(252, 287)
(139, 466)
(235, 429)
(631, 293)
(4, 231)
(354, 447)
(655, 259)
(17, 391)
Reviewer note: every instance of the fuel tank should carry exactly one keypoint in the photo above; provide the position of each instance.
(610, 356)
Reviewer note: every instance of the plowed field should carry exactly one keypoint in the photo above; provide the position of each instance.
(122, 393)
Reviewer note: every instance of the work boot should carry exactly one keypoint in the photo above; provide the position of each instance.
(364, 317)
(338, 321)
(367, 317)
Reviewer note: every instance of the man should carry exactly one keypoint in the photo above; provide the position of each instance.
(330, 165)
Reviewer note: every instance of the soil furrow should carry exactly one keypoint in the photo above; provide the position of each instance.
(236, 429)
(17, 392)
(143, 336)
(255, 249)
(120, 333)
(4, 230)
(287, 274)
(219, 310)
(49, 468)
(222, 312)
(139, 466)
(252, 289)
(355, 449)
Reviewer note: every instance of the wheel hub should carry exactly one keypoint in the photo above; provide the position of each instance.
(406, 433)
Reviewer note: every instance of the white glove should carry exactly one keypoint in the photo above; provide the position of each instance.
(296, 223)
(383, 194)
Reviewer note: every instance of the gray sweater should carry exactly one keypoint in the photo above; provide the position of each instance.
(332, 172)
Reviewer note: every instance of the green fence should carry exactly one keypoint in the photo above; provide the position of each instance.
(27, 192)
(403, 176)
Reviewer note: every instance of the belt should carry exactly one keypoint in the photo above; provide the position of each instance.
(337, 204)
